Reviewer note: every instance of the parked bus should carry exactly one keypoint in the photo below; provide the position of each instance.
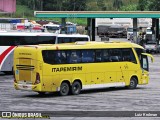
(9, 41)
(80, 66)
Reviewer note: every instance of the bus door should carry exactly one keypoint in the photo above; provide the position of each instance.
(145, 67)
(144, 61)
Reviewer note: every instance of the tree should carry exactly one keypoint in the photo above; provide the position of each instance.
(117, 4)
(76, 5)
(130, 7)
(101, 4)
(154, 5)
(142, 5)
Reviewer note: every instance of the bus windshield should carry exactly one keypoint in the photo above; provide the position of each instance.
(143, 58)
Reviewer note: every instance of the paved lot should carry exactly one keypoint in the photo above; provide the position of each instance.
(144, 98)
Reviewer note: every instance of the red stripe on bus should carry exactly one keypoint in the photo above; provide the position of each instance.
(3, 55)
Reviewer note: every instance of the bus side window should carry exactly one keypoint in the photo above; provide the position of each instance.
(105, 56)
(87, 56)
(128, 55)
(60, 57)
(61, 40)
(72, 40)
(98, 55)
(115, 55)
(75, 56)
(48, 56)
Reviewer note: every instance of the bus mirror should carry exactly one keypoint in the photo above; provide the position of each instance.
(149, 55)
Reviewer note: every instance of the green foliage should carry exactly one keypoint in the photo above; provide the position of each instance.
(64, 5)
(101, 5)
(143, 5)
(117, 4)
(26, 8)
(154, 5)
(132, 7)
(23, 12)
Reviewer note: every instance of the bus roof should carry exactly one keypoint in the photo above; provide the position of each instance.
(87, 45)
(39, 34)
(26, 34)
(72, 35)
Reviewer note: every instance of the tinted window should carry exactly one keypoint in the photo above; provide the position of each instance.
(115, 55)
(102, 55)
(88, 56)
(71, 39)
(127, 55)
(48, 56)
(74, 56)
(139, 51)
(26, 40)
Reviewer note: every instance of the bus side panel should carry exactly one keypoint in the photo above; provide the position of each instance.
(8, 63)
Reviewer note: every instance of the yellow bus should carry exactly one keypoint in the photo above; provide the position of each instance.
(70, 68)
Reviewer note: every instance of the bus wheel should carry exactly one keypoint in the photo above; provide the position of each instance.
(76, 88)
(133, 83)
(64, 89)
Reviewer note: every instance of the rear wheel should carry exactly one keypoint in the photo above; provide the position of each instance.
(76, 88)
(64, 89)
(133, 83)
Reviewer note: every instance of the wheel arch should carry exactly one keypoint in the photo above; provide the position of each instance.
(134, 76)
(67, 81)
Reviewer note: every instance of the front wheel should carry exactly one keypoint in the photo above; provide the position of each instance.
(64, 89)
(133, 83)
(76, 88)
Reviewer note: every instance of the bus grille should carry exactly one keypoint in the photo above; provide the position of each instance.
(25, 67)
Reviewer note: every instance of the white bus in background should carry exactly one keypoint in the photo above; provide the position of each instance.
(50, 27)
(9, 41)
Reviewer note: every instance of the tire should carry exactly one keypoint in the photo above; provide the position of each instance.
(76, 88)
(133, 83)
(64, 89)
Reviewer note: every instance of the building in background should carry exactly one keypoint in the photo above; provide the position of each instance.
(8, 6)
